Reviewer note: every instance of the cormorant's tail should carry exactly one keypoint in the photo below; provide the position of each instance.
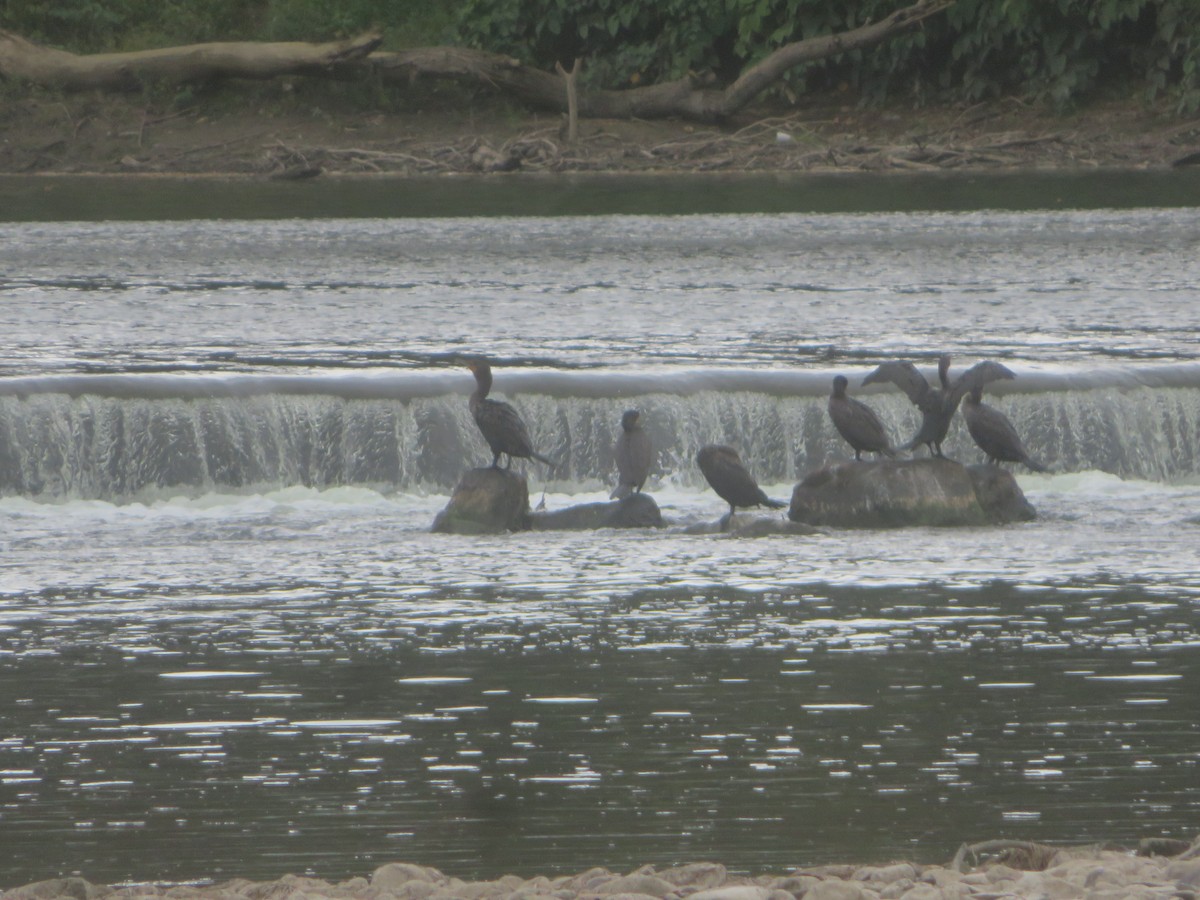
(773, 504)
(1035, 465)
(546, 461)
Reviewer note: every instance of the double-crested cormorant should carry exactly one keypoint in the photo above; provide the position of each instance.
(857, 422)
(634, 456)
(723, 470)
(993, 432)
(502, 426)
(937, 404)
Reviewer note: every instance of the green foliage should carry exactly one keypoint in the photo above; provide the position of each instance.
(623, 42)
(1052, 51)
(1059, 50)
(100, 25)
(405, 23)
(91, 26)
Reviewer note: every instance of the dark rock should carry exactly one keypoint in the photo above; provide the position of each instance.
(896, 493)
(635, 511)
(1000, 496)
(297, 173)
(486, 501)
(1162, 846)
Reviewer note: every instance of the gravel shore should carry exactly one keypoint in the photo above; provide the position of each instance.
(1031, 871)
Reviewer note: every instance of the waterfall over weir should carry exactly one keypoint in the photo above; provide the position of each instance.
(114, 437)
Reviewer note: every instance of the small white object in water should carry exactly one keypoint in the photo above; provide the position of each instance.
(782, 137)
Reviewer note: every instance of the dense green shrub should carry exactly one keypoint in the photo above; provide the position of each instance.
(98, 25)
(1051, 50)
(405, 23)
(1054, 51)
(1059, 50)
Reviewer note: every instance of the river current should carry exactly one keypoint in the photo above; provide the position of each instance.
(229, 644)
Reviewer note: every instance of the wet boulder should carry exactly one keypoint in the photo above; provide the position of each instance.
(635, 511)
(486, 501)
(898, 493)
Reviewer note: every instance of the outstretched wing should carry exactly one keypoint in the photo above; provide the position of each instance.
(978, 375)
(903, 375)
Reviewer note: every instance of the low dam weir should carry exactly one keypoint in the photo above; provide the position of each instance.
(116, 436)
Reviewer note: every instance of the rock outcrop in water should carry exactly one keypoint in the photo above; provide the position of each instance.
(486, 501)
(632, 511)
(492, 501)
(897, 493)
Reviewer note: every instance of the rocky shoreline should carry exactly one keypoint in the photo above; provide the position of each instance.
(1017, 870)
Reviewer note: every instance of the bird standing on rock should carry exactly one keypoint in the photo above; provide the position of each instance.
(994, 433)
(501, 425)
(857, 422)
(937, 404)
(634, 455)
(723, 469)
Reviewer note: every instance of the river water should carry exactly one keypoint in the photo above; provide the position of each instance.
(229, 645)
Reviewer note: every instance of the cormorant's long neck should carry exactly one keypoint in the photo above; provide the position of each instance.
(944, 372)
(483, 384)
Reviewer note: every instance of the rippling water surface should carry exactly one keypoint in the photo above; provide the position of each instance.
(229, 645)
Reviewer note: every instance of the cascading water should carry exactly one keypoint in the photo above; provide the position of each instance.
(224, 618)
(226, 434)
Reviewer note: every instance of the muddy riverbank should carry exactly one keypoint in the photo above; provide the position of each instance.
(288, 132)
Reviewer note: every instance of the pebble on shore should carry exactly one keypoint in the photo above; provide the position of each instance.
(1093, 873)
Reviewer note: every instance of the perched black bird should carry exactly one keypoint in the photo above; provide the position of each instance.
(502, 426)
(993, 432)
(857, 422)
(937, 404)
(723, 469)
(634, 456)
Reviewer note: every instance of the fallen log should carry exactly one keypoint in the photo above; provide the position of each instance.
(693, 97)
(24, 60)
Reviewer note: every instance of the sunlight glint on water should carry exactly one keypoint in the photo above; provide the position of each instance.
(223, 620)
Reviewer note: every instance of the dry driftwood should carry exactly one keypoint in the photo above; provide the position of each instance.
(694, 97)
(24, 60)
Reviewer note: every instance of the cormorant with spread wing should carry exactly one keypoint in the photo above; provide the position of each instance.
(994, 433)
(501, 425)
(937, 404)
(634, 455)
(723, 469)
(857, 422)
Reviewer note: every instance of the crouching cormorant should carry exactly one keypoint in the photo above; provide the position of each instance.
(857, 422)
(994, 433)
(937, 404)
(723, 469)
(634, 456)
(501, 425)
